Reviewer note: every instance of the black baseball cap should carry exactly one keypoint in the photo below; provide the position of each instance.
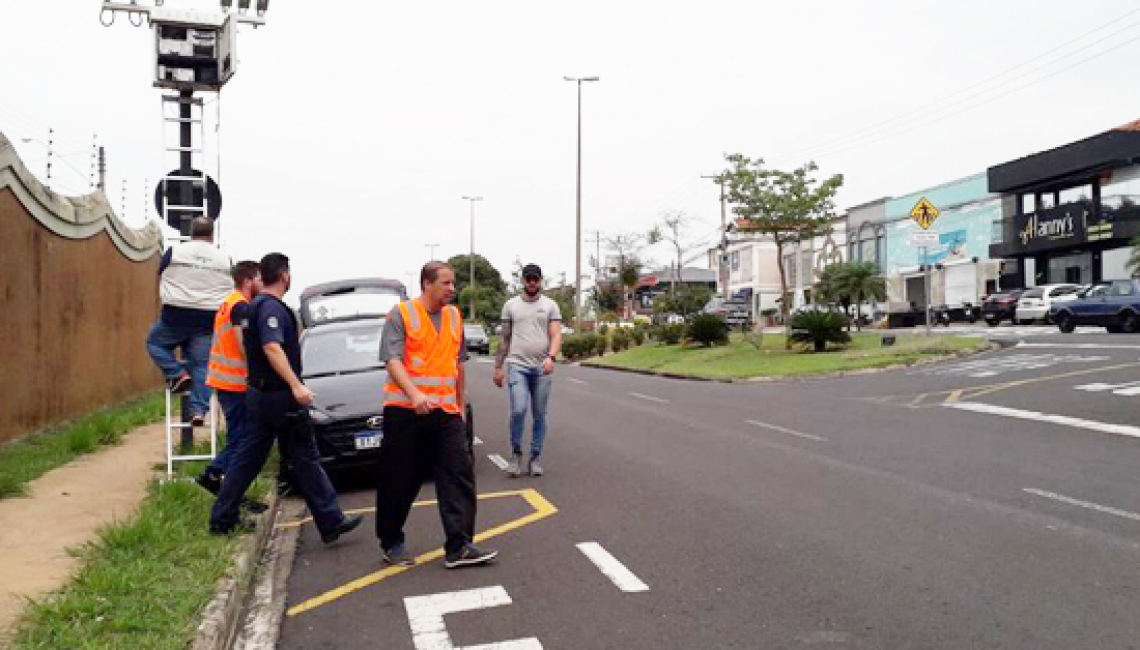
(532, 271)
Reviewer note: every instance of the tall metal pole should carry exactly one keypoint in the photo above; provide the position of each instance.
(926, 280)
(578, 213)
(472, 199)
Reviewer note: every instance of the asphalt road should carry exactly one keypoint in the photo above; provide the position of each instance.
(989, 502)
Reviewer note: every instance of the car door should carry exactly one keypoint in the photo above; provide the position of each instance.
(1087, 308)
(1120, 295)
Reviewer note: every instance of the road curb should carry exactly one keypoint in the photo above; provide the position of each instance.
(222, 616)
(261, 624)
(992, 345)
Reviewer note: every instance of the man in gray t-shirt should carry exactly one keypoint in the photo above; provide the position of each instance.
(531, 338)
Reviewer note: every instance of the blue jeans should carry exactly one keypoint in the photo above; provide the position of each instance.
(233, 405)
(528, 387)
(195, 344)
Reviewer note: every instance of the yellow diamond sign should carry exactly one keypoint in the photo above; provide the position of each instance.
(924, 213)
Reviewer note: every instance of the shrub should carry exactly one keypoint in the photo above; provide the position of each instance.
(600, 344)
(604, 329)
(621, 339)
(819, 328)
(707, 329)
(638, 335)
(670, 333)
(579, 346)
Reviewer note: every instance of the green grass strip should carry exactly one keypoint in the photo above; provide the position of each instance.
(143, 582)
(740, 359)
(29, 458)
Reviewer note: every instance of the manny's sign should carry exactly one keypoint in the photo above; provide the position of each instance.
(1065, 225)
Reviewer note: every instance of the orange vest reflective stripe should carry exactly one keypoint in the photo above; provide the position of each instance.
(431, 357)
(227, 369)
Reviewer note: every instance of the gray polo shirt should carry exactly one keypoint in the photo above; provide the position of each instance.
(396, 333)
(529, 327)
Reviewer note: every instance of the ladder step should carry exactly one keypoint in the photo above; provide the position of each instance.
(198, 457)
(174, 99)
(192, 179)
(184, 208)
(184, 149)
(185, 120)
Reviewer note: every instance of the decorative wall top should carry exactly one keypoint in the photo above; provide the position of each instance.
(74, 217)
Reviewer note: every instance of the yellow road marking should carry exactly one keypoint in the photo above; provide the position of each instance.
(954, 396)
(418, 504)
(542, 510)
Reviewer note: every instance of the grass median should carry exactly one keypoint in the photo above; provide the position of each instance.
(144, 582)
(29, 458)
(740, 359)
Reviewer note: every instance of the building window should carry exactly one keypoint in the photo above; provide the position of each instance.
(1028, 203)
(806, 272)
(1079, 194)
(1046, 200)
(1122, 191)
(790, 270)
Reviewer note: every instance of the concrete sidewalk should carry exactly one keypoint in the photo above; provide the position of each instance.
(65, 509)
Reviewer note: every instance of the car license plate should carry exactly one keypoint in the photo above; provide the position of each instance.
(368, 440)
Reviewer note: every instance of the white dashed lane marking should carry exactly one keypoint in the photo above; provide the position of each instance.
(612, 568)
(790, 432)
(650, 398)
(577, 381)
(498, 460)
(1083, 504)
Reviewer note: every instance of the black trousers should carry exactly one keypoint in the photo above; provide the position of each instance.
(276, 416)
(416, 447)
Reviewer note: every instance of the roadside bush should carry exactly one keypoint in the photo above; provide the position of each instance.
(638, 335)
(670, 333)
(819, 328)
(604, 329)
(707, 329)
(621, 339)
(579, 346)
(600, 344)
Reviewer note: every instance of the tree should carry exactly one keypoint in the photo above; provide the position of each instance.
(819, 328)
(606, 297)
(489, 286)
(685, 301)
(627, 247)
(671, 228)
(1133, 263)
(788, 207)
(861, 281)
(564, 297)
(830, 289)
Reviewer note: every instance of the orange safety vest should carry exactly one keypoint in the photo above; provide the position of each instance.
(431, 357)
(227, 369)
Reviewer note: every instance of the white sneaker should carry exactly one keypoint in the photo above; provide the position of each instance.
(533, 468)
(514, 468)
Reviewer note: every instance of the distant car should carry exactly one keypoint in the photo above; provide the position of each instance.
(340, 354)
(1113, 305)
(1034, 303)
(1001, 306)
(477, 339)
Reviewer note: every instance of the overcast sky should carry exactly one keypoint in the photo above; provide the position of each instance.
(352, 129)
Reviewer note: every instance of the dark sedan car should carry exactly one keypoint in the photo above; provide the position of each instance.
(1001, 306)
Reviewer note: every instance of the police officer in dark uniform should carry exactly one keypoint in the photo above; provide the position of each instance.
(277, 405)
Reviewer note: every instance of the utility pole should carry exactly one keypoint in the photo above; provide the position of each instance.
(471, 283)
(102, 170)
(723, 230)
(578, 213)
(431, 254)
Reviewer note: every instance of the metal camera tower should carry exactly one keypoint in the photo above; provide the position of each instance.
(194, 52)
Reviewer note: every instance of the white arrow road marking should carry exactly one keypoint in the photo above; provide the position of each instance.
(774, 427)
(498, 460)
(614, 570)
(1084, 504)
(650, 398)
(477, 440)
(578, 381)
(1064, 420)
(429, 632)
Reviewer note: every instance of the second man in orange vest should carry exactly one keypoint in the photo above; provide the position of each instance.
(227, 372)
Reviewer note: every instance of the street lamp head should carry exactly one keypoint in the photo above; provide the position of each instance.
(591, 78)
(581, 79)
(472, 198)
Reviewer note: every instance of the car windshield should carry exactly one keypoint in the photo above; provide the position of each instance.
(474, 330)
(362, 303)
(1033, 293)
(339, 351)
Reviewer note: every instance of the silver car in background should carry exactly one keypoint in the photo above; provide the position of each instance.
(1033, 306)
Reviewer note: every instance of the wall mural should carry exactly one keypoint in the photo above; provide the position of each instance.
(964, 233)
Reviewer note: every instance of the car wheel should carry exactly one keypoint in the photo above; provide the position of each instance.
(992, 322)
(1130, 323)
(1065, 323)
(1113, 329)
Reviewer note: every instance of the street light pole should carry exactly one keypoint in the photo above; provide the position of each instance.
(578, 213)
(472, 199)
(431, 248)
(48, 146)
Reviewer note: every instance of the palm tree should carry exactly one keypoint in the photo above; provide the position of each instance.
(861, 281)
(1133, 263)
(829, 288)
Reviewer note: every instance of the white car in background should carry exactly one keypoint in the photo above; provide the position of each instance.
(1034, 304)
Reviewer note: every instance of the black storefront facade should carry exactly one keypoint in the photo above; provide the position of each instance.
(1068, 213)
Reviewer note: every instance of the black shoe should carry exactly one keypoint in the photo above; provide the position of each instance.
(242, 526)
(469, 555)
(346, 525)
(179, 384)
(398, 555)
(210, 482)
(253, 506)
